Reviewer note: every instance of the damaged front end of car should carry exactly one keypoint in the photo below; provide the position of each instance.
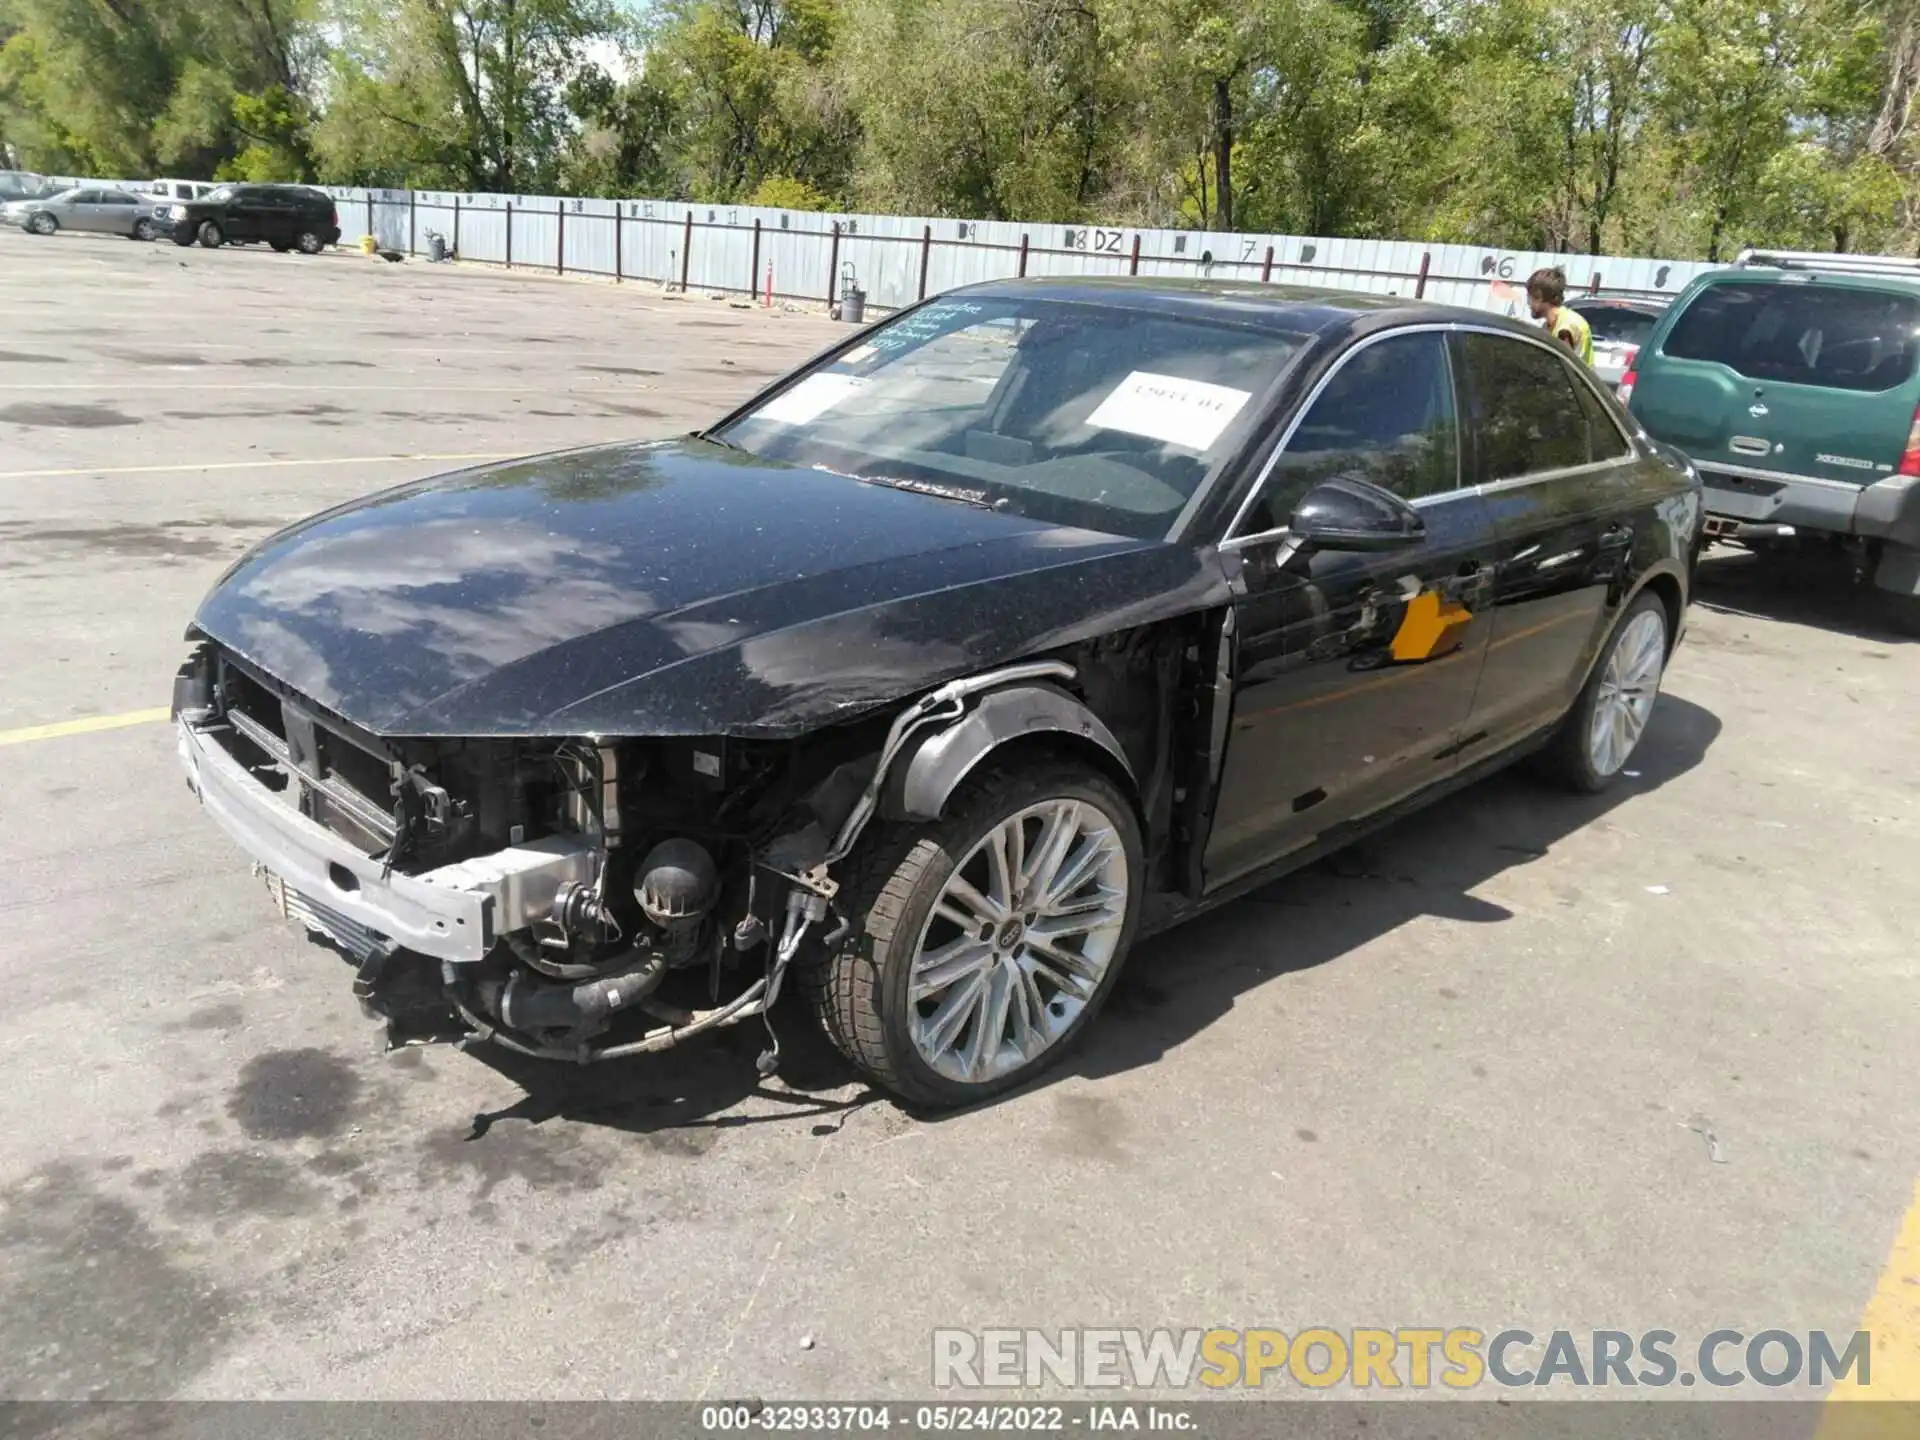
(579, 899)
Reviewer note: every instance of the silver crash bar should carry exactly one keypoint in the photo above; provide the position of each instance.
(454, 913)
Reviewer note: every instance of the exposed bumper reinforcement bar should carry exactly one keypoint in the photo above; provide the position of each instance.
(454, 913)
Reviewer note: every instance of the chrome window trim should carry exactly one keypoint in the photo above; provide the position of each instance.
(1456, 327)
(1286, 436)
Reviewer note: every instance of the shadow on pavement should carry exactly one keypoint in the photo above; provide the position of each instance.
(1428, 864)
(1815, 587)
(696, 1086)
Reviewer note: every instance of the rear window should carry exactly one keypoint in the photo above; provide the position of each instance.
(1842, 339)
(1617, 324)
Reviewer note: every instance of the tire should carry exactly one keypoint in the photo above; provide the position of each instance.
(280, 247)
(183, 238)
(309, 242)
(1622, 687)
(143, 231)
(42, 223)
(901, 875)
(210, 235)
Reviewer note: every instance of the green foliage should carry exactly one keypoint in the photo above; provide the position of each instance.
(784, 192)
(1640, 126)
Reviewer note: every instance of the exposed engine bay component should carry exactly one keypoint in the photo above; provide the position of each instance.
(453, 912)
(531, 1004)
(933, 765)
(677, 884)
(945, 703)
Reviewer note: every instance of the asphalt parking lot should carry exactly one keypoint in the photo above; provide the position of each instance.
(1642, 1061)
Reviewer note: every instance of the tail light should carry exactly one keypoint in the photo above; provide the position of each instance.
(1627, 381)
(1910, 458)
(335, 222)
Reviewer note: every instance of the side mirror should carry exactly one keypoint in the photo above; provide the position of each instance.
(1348, 513)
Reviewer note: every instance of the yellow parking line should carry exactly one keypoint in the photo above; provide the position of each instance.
(242, 465)
(86, 726)
(1892, 1318)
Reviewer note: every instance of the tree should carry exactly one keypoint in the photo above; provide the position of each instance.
(468, 93)
(117, 87)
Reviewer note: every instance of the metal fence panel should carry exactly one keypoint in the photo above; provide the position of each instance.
(898, 259)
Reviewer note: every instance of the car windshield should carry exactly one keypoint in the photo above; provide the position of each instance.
(1106, 416)
(1617, 324)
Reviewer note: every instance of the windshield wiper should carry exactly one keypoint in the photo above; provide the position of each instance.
(976, 498)
(713, 439)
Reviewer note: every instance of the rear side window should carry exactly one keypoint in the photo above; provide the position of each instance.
(1605, 442)
(1842, 339)
(1525, 413)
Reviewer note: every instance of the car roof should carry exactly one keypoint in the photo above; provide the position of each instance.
(1292, 309)
(1886, 282)
(1647, 304)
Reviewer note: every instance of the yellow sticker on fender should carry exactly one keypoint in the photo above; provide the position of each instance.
(1428, 628)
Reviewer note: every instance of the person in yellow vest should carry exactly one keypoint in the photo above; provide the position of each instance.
(1546, 298)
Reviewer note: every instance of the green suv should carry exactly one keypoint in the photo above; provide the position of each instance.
(1790, 382)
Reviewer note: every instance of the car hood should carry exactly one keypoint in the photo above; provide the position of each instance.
(679, 588)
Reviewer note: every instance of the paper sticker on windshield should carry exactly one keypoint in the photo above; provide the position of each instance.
(1190, 413)
(810, 399)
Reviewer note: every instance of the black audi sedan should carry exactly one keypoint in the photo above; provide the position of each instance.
(1014, 628)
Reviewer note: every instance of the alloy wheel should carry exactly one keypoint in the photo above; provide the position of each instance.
(1019, 940)
(1629, 685)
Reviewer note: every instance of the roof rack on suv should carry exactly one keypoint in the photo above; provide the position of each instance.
(1837, 264)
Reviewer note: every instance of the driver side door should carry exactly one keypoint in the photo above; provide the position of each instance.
(1354, 673)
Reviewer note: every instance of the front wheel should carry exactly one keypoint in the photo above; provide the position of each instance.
(1604, 727)
(43, 224)
(991, 936)
(211, 235)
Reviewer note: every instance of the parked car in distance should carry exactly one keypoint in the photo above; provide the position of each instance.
(165, 194)
(287, 217)
(1621, 324)
(173, 190)
(100, 210)
(23, 185)
(1073, 607)
(1792, 380)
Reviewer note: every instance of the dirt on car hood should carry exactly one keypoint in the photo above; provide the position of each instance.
(663, 589)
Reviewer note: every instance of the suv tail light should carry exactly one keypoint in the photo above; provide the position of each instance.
(335, 221)
(1627, 381)
(1910, 458)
